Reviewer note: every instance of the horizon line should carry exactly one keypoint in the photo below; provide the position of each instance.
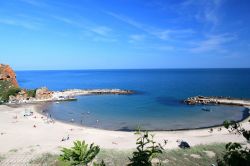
(133, 69)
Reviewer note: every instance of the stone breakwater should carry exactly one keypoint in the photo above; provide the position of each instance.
(216, 100)
(44, 95)
(79, 92)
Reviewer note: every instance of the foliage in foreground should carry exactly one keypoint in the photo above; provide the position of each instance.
(80, 153)
(236, 155)
(146, 149)
(174, 157)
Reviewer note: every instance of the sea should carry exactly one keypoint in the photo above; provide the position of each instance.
(156, 105)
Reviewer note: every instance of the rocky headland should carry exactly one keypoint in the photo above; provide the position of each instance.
(8, 75)
(11, 93)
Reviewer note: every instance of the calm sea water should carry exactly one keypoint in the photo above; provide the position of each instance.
(157, 106)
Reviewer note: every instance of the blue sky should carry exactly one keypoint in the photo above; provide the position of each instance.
(117, 34)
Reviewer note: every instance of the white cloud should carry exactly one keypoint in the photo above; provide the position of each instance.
(103, 39)
(126, 20)
(136, 38)
(20, 23)
(205, 10)
(89, 29)
(170, 34)
(213, 43)
(37, 3)
(162, 34)
(101, 30)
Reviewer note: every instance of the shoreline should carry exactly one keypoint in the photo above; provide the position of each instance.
(20, 133)
(245, 119)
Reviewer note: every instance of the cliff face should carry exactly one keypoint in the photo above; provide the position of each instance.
(7, 74)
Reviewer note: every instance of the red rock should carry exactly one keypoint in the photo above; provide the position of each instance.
(6, 73)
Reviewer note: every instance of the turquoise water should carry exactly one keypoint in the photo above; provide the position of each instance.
(157, 104)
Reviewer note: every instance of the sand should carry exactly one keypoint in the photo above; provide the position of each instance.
(19, 133)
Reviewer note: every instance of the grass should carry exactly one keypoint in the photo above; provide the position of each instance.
(177, 157)
(1, 158)
(183, 157)
(48, 160)
(13, 150)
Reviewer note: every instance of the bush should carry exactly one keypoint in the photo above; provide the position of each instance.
(146, 150)
(31, 93)
(236, 155)
(80, 153)
(13, 91)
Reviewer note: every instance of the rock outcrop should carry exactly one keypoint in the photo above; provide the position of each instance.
(7, 74)
(25, 96)
(43, 94)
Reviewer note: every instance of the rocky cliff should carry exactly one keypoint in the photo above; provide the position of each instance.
(7, 74)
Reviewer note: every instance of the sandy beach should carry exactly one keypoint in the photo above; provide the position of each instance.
(34, 134)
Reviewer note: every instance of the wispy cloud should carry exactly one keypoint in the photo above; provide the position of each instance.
(163, 34)
(104, 39)
(37, 3)
(204, 10)
(213, 43)
(170, 33)
(20, 23)
(101, 30)
(98, 33)
(136, 38)
(126, 20)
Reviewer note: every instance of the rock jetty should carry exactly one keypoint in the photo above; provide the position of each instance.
(45, 95)
(79, 92)
(216, 100)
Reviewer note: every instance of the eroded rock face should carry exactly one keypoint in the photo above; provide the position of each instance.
(7, 74)
(43, 93)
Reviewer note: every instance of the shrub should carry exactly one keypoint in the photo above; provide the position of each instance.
(80, 153)
(13, 91)
(236, 155)
(147, 149)
(31, 93)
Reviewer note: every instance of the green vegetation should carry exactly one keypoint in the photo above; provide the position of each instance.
(174, 157)
(13, 150)
(79, 154)
(6, 90)
(146, 149)
(1, 158)
(31, 93)
(236, 154)
(49, 160)
(147, 153)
